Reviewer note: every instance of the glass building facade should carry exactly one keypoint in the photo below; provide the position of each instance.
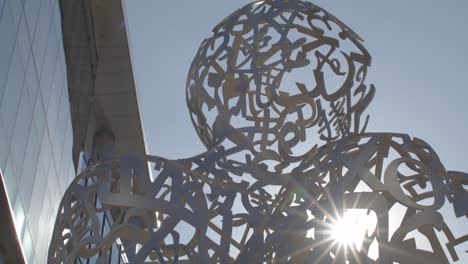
(65, 73)
(36, 136)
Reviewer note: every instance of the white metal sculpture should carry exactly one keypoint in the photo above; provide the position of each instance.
(285, 159)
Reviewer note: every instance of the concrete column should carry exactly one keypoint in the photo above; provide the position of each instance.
(103, 147)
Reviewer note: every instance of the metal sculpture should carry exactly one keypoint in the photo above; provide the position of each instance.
(285, 160)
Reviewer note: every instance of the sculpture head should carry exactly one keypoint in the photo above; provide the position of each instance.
(278, 78)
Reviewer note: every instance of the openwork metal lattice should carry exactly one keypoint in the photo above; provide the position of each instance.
(277, 95)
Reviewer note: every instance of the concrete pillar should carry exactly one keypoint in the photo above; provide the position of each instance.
(103, 147)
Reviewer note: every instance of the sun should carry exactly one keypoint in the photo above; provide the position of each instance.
(350, 229)
(344, 232)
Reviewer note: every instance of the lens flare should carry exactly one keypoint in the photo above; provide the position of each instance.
(351, 229)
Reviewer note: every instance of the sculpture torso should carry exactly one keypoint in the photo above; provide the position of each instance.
(225, 218)
(284, 161)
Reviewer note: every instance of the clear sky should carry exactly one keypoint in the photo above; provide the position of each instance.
(419, 49)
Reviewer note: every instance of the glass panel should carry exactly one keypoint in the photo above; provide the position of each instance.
(51, 221)
(30, 164)
(81, 163)
(71, 173)
(60, 133)
(31, 81)
(37, 197)
(39, 114)
(56, 198)
(45, 155)
(36, 259)
(41, 33)
(52, 184)
(4, 144)
(9, 177)
(19, 216)
(23, 43)
(16, 8)
(2, 3)
(31, 9)
(57, 20)
(12, 94)
(93, 259)
(61, 66)
(49, 62)
(28, 247)
(52, 110)
(8, 33)
(115, 257)
(21, 131)
(42, 240)
(65, 159)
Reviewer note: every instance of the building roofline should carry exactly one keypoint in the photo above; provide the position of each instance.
(101, 84)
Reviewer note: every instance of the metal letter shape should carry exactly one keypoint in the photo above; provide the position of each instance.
(277, 95)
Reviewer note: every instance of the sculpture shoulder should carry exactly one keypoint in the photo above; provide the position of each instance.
(387, 144)
(376, 152)
(393, 163)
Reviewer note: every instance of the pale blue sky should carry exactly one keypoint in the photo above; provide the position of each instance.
(419, 49)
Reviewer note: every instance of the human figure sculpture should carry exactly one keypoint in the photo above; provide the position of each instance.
(277, 95)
